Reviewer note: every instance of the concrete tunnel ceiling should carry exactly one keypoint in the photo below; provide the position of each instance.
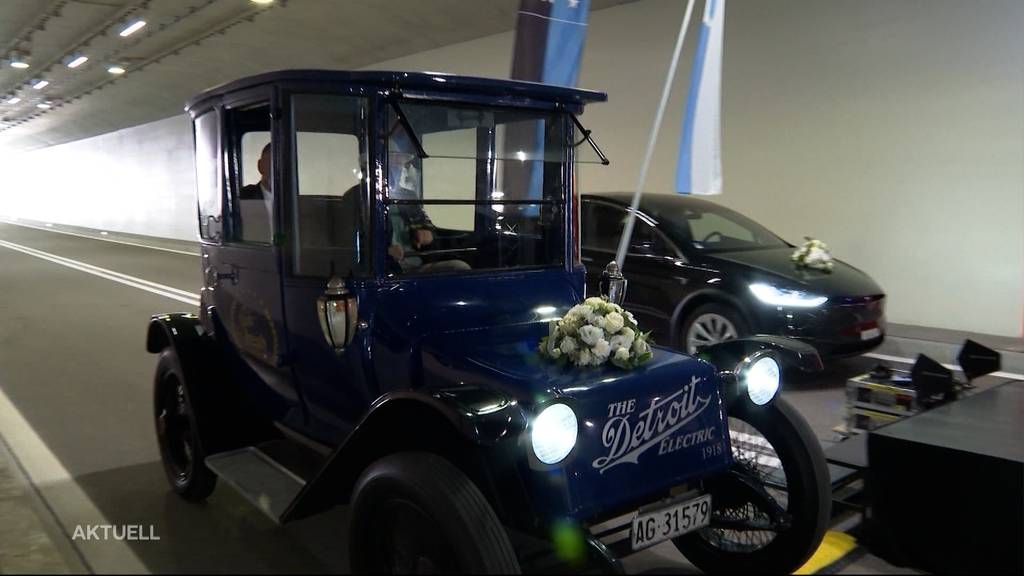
(190, 45)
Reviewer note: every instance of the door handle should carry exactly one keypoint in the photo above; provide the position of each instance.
(214, 276)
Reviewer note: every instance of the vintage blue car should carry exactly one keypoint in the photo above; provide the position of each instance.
(382, 253)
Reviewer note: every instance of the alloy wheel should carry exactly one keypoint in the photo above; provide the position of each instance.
(708, 329)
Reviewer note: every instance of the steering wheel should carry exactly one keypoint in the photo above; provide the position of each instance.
(711, 235)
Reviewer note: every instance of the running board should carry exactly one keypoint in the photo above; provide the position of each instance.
(260, 479)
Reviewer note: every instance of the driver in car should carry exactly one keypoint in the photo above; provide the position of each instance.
(411, 228)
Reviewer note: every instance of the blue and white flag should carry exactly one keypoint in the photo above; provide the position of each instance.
(549, 41)
(700, 148)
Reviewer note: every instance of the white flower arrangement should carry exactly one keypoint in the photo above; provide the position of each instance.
(595, 332)
(813, 254)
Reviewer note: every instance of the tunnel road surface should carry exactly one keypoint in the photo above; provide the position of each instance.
(76, 410)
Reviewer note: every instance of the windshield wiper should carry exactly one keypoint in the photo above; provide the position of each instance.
(408, 128)
(589, 140)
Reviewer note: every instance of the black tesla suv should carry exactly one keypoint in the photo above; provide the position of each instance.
(700, 273)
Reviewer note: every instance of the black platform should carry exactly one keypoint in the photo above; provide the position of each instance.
(947, 485)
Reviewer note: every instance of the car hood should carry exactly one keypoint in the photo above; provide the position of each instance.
(642, 430)
(843, 280)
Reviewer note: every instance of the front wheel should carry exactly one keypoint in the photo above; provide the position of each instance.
(770, 511)
(416, 513)
(177, 434)
(711, 324)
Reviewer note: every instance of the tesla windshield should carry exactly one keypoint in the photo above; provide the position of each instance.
(712, 228)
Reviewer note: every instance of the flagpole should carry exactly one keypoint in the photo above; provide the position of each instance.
(627, 232)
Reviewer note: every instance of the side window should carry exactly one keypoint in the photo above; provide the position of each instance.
(208, 180)
(330, 215)
(252, 194)
(648, 241)
(603, 226)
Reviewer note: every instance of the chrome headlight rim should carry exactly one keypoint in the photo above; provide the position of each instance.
(752, 367)
(555, 417)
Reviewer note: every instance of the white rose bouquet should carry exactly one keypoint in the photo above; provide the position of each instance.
(813, 254)
(596, 332)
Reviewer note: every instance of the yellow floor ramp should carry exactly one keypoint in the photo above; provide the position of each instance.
(834, 547)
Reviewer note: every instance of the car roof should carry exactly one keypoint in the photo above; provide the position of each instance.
(410, 81)
(650, 201)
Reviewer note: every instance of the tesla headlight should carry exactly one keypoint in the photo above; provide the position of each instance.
(761, 377)
(782, 297)
(554, 433)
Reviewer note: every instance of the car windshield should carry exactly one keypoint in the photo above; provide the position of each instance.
(475, 188)
(709, 227)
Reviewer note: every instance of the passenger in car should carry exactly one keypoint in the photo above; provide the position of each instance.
(263, 189)
(256, 206)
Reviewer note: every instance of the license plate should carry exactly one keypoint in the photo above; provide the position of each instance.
(871, 334)
(652, 527)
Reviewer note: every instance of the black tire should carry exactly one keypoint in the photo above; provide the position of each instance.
(180, 449)
(732, 315)
(424, 498)
(809, 499)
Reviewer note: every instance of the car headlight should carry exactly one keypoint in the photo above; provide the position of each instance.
(782, 297)
(554, 433)
(761, 376)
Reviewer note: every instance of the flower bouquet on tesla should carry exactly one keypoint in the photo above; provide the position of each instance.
(813, 254)
(595, 332)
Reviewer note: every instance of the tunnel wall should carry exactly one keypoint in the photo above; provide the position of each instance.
(140, 180)
(894, 131)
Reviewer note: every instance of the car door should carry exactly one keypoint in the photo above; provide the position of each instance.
(243, 273)
(650, 267)
(327, 210)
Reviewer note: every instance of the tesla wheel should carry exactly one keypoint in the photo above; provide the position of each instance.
(182, 455)
(416, 513)
(770, 512)
(710, 324)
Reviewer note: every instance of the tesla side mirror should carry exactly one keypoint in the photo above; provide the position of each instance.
(613, 284)
(337, 311)
(642, 248)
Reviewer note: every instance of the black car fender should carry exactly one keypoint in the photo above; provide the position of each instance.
(222, 421)
(699, 297)
(728, 357)
(475, 429)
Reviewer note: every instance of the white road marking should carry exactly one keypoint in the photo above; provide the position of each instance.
(889, 358)
(153, 287)
(70, 503)
(125, 242)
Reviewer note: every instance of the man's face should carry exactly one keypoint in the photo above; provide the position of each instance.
(264, 167)
(404, 176)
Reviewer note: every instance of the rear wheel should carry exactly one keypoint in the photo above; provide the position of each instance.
(710, 324)
(416, 513)
(771, 511)
(182, 455)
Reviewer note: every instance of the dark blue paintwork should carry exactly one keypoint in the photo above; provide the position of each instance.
(462, 343)
(504, 358)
